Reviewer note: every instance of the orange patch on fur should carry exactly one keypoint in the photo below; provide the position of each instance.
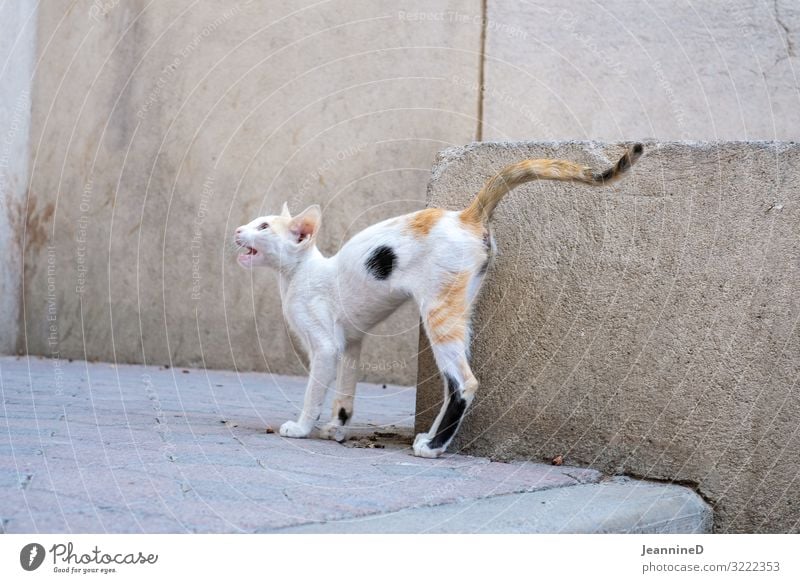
(423, 221)
(470, 217)
(472, 223)
(447, 321)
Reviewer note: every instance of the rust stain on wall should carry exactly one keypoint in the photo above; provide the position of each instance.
(37, 223)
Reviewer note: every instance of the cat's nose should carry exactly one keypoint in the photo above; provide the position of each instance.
(239, 231)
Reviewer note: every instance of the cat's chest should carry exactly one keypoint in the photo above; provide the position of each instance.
(305, 305)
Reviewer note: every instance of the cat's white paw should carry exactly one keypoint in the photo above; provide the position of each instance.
(333, 431)
(294, 429)
(421, 448)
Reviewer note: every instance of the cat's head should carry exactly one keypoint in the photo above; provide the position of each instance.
(277, 240)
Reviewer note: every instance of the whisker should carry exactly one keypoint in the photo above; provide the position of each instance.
(232, 247)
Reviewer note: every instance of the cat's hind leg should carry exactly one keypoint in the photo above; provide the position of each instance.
(460, 386)
(446, 322)
(346, 381)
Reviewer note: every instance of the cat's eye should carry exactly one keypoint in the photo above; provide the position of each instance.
(263, 226)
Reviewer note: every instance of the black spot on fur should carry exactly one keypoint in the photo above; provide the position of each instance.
(343, 416)
(622, 165)
(452, 415)
(607, 175)
(381, 262)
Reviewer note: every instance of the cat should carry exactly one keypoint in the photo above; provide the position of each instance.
(436, 257)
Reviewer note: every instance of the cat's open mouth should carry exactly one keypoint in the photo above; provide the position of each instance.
(247, 255)
(248, 250)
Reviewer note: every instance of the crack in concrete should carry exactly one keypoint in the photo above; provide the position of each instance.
(441, 503)
(481, 71)
(789, 43)
(581, 480)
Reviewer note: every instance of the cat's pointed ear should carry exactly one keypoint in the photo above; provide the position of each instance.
(304, 226)
(285, 211)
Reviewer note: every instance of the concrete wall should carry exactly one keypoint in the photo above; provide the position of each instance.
(649, 328)
(158, 127)
(626, 70)
(17, 56)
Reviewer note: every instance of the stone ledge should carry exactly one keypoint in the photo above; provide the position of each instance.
(647, 328)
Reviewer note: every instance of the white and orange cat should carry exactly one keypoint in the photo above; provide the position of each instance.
(436, 257)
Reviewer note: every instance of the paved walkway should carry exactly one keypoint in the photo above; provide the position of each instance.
(104, 448)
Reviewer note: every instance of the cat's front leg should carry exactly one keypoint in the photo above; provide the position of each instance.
(295, 429)
(323, 373)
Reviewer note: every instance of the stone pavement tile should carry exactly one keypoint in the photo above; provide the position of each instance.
(57, 511)
(183, 454)
(103, 487)
(216, 490)
(108, 521)
(17, 503)
(199, 514)
(25, 449)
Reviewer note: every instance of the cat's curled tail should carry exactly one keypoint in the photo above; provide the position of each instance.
(481, 209)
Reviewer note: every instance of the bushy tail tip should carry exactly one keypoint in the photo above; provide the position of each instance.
(623, 164)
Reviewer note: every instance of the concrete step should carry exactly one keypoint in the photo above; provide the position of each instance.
(607, 507)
